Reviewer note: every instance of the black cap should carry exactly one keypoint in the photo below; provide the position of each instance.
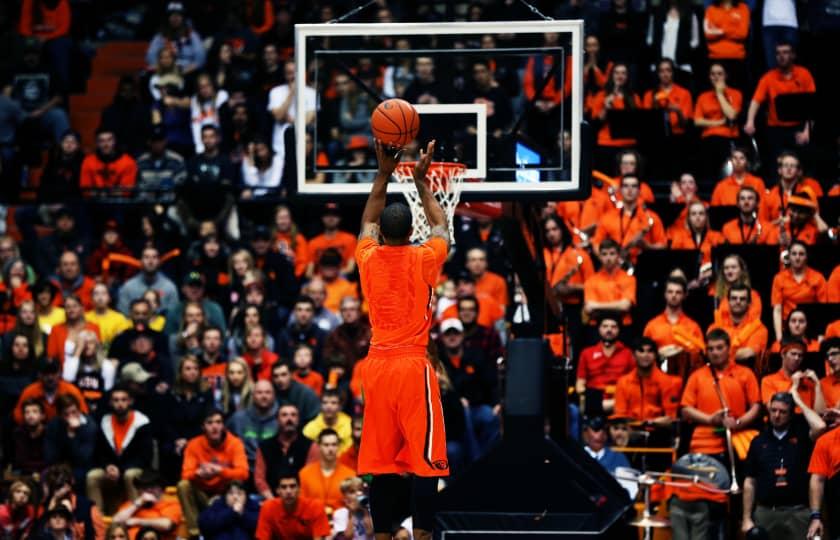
(158, 133)
(261, 232)
(595, 423)
(330, 257)
(60, 510)
(464, 275)
(63, 211)
(193, 278)
(48, 366)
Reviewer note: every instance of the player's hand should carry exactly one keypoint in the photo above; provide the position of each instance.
(388, 157)
(422, 166)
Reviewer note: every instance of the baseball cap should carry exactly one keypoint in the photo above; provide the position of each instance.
(261, 232)
(595, 423)
(193, 278)
(451, 324)
(134, 372)
(804, 199)
(175, 7)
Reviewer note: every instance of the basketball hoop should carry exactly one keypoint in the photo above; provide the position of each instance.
(444, 180)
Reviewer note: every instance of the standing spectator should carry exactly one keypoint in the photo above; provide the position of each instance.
(211, 461)
(160, 169)
(292, 515)
(171, 111)
(332, 237)
(673, 33)
(283, 106)
(646, 394)
(797, 284)
(320, 480)
(231, 517)
(785, 78)
(287, 452)
(674, 101)
(727, 26)
(716, 114)
(109, 321)
(64, 338)
(108, 167)
(567, 269)
(348, 342)
(175, 34)
(289, 391)
(823, 467)
(545, 116)
(776, 477)
(622, 33)
(486, 90)
(49, 22)
(601, 365)
(127, 116)
(779, 26)
(617, 95)
(596, 69)
(48, 388)
(40, 93)
(257, 422)
(149, 509)
(150, 277)
(610, 288)
(123, 450)
(62, 174)
(18, 514)
(332, 418)
(71, 437)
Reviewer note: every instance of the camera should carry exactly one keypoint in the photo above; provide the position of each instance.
(364, 501)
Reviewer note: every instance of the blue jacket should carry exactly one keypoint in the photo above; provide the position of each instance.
(220, 522)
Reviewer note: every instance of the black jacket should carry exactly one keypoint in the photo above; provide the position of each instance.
(137, 446)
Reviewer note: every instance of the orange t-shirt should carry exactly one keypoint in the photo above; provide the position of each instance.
(833, 329)
(825, 459)
(344, 242)
(685, 332)
(830, 385)
(750, 333)
(166, 507)
(676, 95)
(299, 246)
(789, 292)
(775, 83)
(738, 386)
(315, 485)
(736, 232)
(337, 290)
(605, 287)
(624, 228)
(833, 285)
(489, 311)
(723, 314)
(605, 138)
(780, 382)
(726, 190)
(313, 379)
(735, 23)
(398, 282)
(494, 286)
(708, 108)
(559, 264)
(647, 398)
(681, 238)
(307, 520)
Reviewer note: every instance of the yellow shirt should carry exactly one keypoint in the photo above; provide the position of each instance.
(110, 324)
(343, 426)
(55, 318)
(157, 323)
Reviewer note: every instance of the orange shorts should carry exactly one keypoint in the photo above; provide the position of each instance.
(403, 423)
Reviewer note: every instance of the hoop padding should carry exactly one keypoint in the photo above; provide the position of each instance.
(444, 180)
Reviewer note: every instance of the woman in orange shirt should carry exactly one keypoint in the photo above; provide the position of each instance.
(696, 234)
(289, 241)
(617, 95)
(796, 327)
(596, 70)
(734, 270)
(567, 267)
(798, 284)
(727, 26)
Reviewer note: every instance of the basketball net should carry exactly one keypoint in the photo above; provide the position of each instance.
(444, 180)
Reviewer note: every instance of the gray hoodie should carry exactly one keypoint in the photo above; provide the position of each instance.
(252, 427)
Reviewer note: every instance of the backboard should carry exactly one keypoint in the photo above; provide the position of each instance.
(504, 98)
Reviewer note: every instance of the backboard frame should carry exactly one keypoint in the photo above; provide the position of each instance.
(576, 188)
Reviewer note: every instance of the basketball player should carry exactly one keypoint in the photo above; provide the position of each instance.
(403, 432)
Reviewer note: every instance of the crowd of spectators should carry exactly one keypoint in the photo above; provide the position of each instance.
(188, 360)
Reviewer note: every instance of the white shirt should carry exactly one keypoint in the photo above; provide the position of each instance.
(595, 455)
(204, 114)
(269, 178)
(276, 98)
(779, 13)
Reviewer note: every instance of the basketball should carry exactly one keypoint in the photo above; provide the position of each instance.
(395, 122)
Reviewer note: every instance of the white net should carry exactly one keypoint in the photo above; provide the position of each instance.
(444, 180)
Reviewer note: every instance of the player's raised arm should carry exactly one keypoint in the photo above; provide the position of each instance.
(434, 213)
(388, 158)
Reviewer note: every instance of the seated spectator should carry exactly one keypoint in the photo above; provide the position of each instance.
(234, 392)
(796, 327)
(748, 336)
(610, 288)
(353, 520)
(18, 366)
(193, 289)
(157, 320)
(56, 522)
(257, 422)
(128, 116)
(646, 394)
(89, 369)
(331, 417)
(486, 282)
(292, 514)
(109, 321)
(142, 344)
(617, 95)
(160, 169)
(150, 509)
(231, 517)
(123, 450)
(62, 174)
(211, 461)
(726, 192)
(350, 456)
(242, 269)
(791, 181)
(244, 318)
(696, 233)
(111, 261)
(673, 331)
(71, 437)
(350, 340)
(283, 106)
(676, 105)
(26, 324)
(748, 227)
(149, 277)
(716, 115)
(64, 338)
(212, 353)
(303, 372)
(255, 352)
(289, 241)
(489, 312)
(332, 237)
(567, 268)
(48, 388)
(303, 330)
(601, 365)
(27, 444)
(287, 452)
(290, 391)
(59, 491)
(595, 444)
(337, 287)
(320, 480)
(734, 271)
(798, 284)
(809, 388)
(830, 384)
(262, 171)
(107, 167)
(204, 107)
(316, 289)
(179, 416)
(803, 221)
(69, 279)
(18, 513)
(176, 34)
(281, 283)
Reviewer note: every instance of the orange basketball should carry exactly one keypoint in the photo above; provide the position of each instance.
(395, 122)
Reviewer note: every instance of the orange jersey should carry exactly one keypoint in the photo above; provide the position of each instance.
(681, 238)
(325, 489)
(734, 21)
(605, 287)
(737, 232)
(708, 108)
(833, 285)
(825, 459)
(684, 333)
(624, 228)
(780, 382)
(830, 385)
(342, 241)
(750, 334)
(564, 265)
(494, 286)
(775, 83)
(605, 138)
(726, 190)
(788, 291)
(666, 98)
(723, 314)
(398, 282)
(738, 386)
(647, 398)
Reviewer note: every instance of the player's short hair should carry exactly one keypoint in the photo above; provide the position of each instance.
(395, 222)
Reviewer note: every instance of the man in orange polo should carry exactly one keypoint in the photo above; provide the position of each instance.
(793, 352)
(633, 227)
(830, 384)
(702, 405)
(321, 480)
(403, 430)
(677, 110)
(791, 181)
(785, 78)
(486, 282)
(726, 190)
(290, 515)
(747, 228)
(610, 288)
(748, 338)
(647, 394)
(673, 331)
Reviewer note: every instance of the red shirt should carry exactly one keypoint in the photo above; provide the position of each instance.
(600, 370)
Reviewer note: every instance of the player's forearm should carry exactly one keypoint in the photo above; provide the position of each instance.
(376, 200)
(434, 213)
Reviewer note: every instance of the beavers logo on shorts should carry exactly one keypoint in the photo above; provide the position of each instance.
(441, 464)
